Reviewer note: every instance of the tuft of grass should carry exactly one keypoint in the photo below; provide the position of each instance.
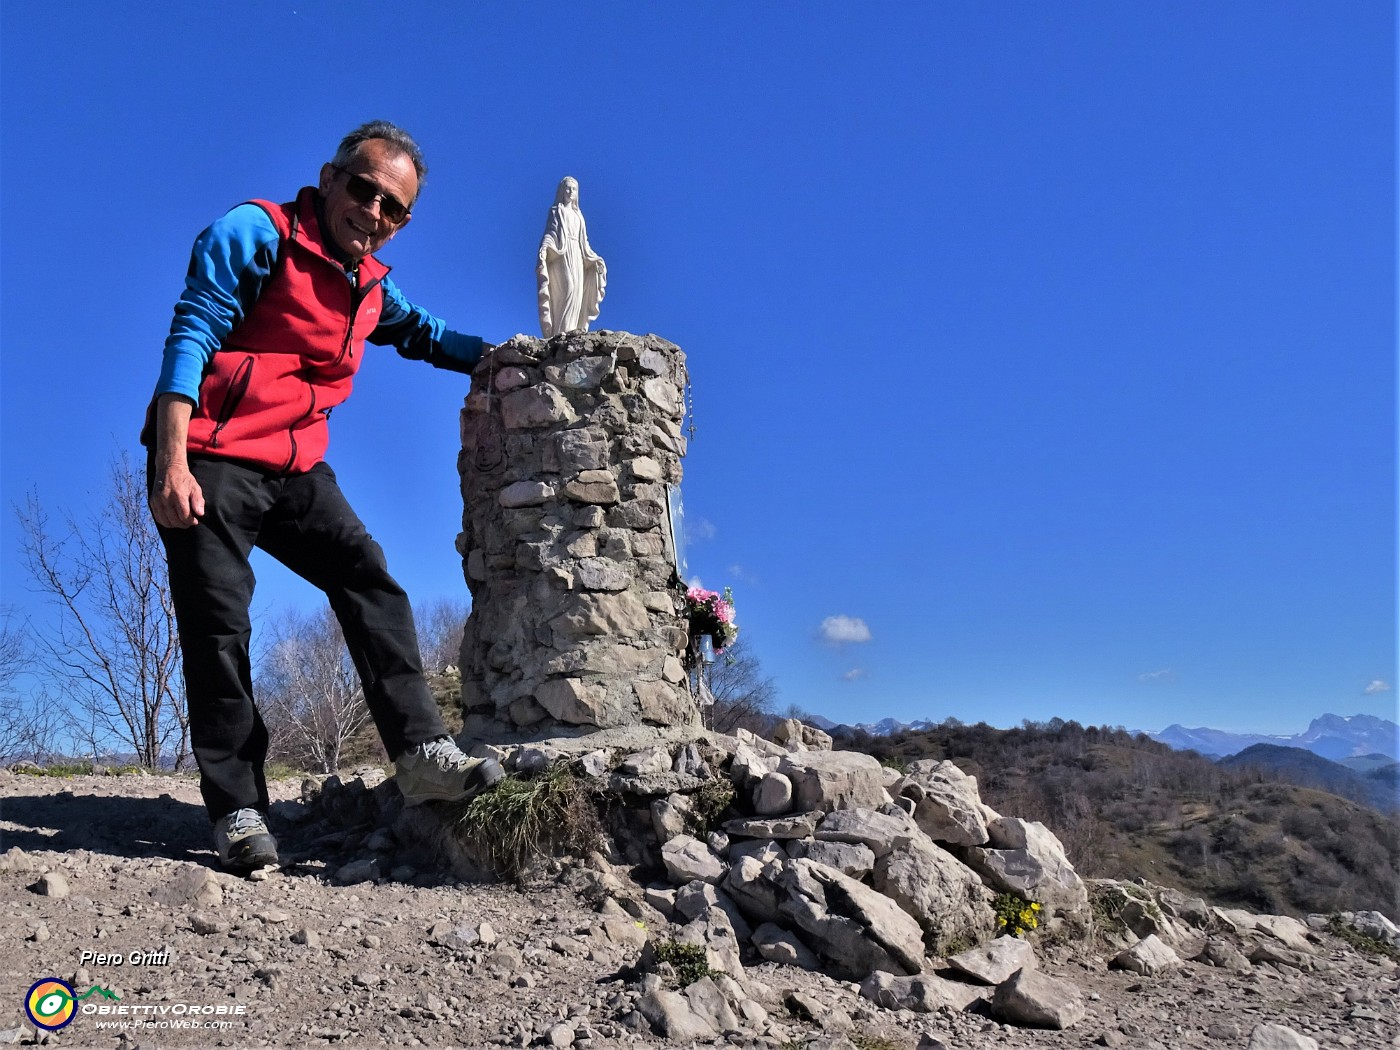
(688, 961)
(957, 945)
(898, 763)
(57, 769)
(279, 770)
(870, 1041)
(524, 818)
(1362, 942)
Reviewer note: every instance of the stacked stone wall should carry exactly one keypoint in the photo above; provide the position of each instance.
(568, 448)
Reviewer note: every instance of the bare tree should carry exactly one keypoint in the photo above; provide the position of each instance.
(114, 640)
(28, 723)
(440, 624)
(312, 700)
(744, 698)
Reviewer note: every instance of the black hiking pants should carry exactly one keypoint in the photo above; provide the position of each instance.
(304, 521)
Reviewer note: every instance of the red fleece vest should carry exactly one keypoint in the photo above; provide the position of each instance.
(268, 391)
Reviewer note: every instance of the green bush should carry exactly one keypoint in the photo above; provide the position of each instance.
(687, 960)
(708, 805)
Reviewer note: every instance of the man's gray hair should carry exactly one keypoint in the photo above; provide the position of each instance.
(394, 135)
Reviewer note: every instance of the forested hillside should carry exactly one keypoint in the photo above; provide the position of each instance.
(1126, 806)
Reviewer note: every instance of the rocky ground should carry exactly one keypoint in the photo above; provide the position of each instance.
(115, 865)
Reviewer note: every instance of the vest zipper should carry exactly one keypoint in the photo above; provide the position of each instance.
(357, 298)
(237, 387)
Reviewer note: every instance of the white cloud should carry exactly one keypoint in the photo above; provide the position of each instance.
(1377, 686)
(839, 630)
(699, 530)
(853, 675)
(1165, 676)
(739, 574)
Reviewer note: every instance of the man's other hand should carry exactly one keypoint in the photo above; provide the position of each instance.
(177, 501)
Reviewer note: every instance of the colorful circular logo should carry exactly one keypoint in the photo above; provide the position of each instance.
(50, 1003)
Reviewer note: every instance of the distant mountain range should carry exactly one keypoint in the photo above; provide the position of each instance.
(884, 727)
(1334, 737)
(1362, 742)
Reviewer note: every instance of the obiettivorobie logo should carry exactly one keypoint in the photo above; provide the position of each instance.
(51, 1003)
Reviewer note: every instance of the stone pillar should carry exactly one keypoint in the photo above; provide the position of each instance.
(568, 446)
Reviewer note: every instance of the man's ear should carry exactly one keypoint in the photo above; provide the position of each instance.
(327, 177)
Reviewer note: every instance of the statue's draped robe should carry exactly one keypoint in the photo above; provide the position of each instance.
(572, 277)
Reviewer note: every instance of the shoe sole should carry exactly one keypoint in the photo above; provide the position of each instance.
(250, 854)
(484, 777)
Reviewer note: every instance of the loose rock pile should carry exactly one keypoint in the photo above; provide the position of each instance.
(827, 863)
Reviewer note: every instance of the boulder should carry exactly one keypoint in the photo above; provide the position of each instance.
(944, 896)
(854, 928)
(1035, 999)
(760, 849)
(709, 1004)
(796, 735)
(753, 886)
(1268, 951)
(880, 831)
(921, 993)
(1220, 953)
(778, 945)
(1027, 859)
(1191, 910)
(671, 816)
(1375, 925)
(1150, 956)
(688, 858)
(854, 859)
(672, 1017)
(1279, 1037)
(829, 780)
(748, 766)
(947, 806)
(996, 961)
(695, 899)
(772, 795)
(798, 826)
(715, 933)
(1288, 931)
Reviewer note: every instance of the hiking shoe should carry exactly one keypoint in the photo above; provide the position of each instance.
(243, 841)
(437, 771)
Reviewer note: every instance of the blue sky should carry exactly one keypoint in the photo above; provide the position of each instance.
(1044, 353)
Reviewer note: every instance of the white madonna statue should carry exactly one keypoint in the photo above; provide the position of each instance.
(571, 276)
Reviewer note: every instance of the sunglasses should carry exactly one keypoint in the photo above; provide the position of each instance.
(366, 192)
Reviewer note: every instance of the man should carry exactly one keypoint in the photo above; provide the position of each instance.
(278, 303)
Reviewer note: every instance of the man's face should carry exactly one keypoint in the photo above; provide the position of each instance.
(361, 229)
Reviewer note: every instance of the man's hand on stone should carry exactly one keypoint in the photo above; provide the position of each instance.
(177, 501)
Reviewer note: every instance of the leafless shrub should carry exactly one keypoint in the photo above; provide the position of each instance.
(114, 642)
(744, 697)
(310, 695)
(440, 624)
